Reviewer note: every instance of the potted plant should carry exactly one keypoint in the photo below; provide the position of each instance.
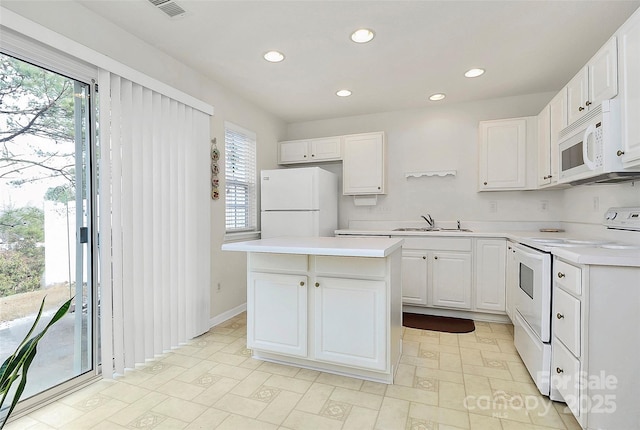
(16, 366)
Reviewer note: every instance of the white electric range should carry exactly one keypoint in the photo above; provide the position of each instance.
(533, 297)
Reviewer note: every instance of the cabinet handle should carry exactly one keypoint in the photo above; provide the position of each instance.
(424, 257)
(545, 177)
(558, 370)
(485, 182)
(302, 283)
(305, 156)
(559, 316)
(317, 284)
(313, 155)
(378, 187)
(560, 275)
(550, 176)
(588, 103)
(436, 257)
(580, 109)
(620, 153)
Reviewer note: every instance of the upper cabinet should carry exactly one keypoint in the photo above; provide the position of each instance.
(629, 63)
(363, 159)
(597, 81)
(310, 150)
(503, 160)
(363, 164)
(551, 120)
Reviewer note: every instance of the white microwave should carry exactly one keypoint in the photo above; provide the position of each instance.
(591, 147)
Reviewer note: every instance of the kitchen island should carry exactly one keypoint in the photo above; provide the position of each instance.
(325, 303)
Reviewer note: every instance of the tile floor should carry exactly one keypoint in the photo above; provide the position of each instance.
(445, 381)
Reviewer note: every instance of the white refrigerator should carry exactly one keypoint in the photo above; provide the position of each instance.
(298, 202)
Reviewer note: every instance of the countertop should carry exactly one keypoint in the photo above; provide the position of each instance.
(378, 247)
(593, 255)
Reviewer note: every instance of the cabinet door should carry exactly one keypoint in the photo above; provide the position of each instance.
(544, 147)
(502, 154)
(277, 313)
(490, 273)
(603, 73)
(350, 322)
(451, 280)
(577, 95)
(363, 164)
(629, 38)
(557, 121)
(293, 151)
(326, 149)
(414, 277)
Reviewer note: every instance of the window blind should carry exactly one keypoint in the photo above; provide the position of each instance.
(154, 222)
(240, 179)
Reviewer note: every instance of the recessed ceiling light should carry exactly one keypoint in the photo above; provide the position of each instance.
(362, 35)
(437, 97)
(274, 56)
(343, 93)
(474, 73)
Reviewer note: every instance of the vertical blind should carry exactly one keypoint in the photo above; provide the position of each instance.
(240, 179)
(154, 222)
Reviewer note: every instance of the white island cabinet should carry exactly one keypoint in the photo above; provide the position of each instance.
(324, 303)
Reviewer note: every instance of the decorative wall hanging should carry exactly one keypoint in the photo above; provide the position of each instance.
(215, 169)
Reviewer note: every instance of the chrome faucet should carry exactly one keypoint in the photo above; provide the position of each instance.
(429, 220)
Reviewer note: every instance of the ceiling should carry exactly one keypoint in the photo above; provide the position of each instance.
(420, 48)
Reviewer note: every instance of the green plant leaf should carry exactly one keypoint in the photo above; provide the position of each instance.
(17, 365)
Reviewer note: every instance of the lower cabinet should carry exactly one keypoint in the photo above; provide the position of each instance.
(595, 343)
(451, 280)
(277, 317)
(456, 273)
(350, 322)
(343, 311)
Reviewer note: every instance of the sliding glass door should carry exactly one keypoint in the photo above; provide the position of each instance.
(46, 220)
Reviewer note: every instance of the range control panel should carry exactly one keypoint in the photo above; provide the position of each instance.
(622, 218)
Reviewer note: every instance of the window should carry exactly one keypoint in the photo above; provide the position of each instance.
(240, 173)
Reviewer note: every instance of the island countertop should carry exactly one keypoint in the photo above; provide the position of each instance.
(336, 246)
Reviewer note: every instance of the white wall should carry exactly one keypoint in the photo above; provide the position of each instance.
(227, 269)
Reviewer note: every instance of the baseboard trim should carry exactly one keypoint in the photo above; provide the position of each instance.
(219, 319)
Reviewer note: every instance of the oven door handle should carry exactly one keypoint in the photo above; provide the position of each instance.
(586, 143)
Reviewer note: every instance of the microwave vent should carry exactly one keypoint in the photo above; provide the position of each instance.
(580, 123)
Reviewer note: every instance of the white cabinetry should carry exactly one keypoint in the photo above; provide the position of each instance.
(451, 280)
(595, 343)
(350, 322)
(277, 317)
(490, 272)
(340, 314)
(503, 154)
(551, 120)
(596, 81)
(629, 63)
(363, 164)
(415, 275)
(310, 150)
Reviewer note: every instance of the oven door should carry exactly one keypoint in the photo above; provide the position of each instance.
(533, 295)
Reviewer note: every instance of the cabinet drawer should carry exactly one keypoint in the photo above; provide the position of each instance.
(565, 374)
(352, 266)
(437, 243)
(259, 261)
(568, 277)
(566, 320)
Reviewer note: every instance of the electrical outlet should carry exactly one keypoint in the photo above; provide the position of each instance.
(219, 287)
(596, 203)
(544, 205)
(493, 206)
